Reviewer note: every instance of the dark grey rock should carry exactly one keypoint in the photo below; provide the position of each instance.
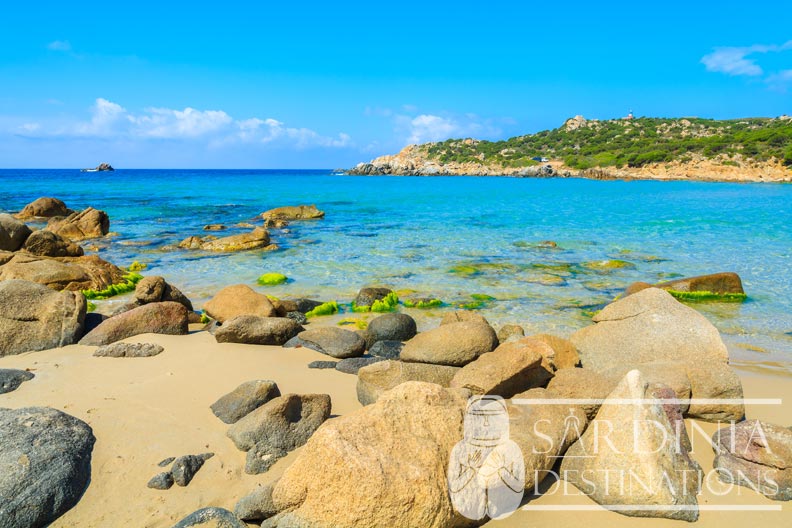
(297, 317)
(11, 379)
(275, 520)
(392, 327)
(322, 364)
(263, 456)
(387, 349)
(92, 320)
(161, 481)
(352, 365)
(166, 462)
(286, 422)
(45, 456)
(367, 296)
(335, 342)
(255, 330)
(185, 467)
(212, 518)
(257, 505)
(244, 399)
(128, 350)
(306, 305)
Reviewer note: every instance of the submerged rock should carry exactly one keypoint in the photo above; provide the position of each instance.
(367, 296)
(46, 459)
(34, 317)
(291, 212)
(256, 239)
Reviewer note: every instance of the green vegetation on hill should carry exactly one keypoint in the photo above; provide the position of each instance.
(630, 143)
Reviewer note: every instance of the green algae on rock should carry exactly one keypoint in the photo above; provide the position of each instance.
(272, 279)
(702, 296)
(130, 280)
(608, 265)
(328, 308)
(423, 303)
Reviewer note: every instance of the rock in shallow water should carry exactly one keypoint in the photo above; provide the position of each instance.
(46, 459)
(11, 379)
(118, 350)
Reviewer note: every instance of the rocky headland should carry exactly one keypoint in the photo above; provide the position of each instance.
(755, 150)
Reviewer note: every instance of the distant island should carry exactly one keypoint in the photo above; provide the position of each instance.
(102, 167)
(749, 150)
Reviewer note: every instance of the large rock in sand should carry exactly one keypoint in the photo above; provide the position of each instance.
(335, 342)
(48, 244)
(46, 459)
(11, 379)
(44, 207)
(583, 384)
(511, 368)
(757, 455)
(376, 379)
(453, 344)
(246, 398)
(34, 317)
(564, 354)
(255, 330)
(648, 326)
(238, 300)
(383, 465)
(157, 318)
(211, 517)
(392, 327)
(13, 233)
(89, 223)
(634, 439)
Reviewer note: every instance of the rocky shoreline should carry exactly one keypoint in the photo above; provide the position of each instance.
(411, 411)
(414, 160)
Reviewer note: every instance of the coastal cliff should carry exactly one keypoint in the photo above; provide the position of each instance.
(748, 150)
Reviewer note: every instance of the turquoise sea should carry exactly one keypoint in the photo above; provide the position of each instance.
(409, 233)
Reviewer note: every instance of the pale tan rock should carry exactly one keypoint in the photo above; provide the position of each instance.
(238, 300)
(511, 368)
(565, 354)
(453, 344)
(653, 455)
(378, 378)
(256, 239)
(89, 223)
(383, 465)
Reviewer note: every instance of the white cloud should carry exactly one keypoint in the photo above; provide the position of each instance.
(425, 127)
(780, 81)
(740, 61)
(110, 121)
(59, 45)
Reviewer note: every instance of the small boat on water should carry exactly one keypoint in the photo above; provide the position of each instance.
(102, 167)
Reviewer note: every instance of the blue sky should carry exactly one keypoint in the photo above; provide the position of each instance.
(329, 84)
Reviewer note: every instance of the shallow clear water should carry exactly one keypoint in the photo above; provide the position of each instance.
(408, 232)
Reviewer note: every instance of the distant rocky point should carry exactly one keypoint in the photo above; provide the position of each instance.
(753, 149)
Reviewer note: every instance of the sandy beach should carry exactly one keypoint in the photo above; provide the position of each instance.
(143, 410)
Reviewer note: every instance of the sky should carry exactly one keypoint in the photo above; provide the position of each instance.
(261, 84)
